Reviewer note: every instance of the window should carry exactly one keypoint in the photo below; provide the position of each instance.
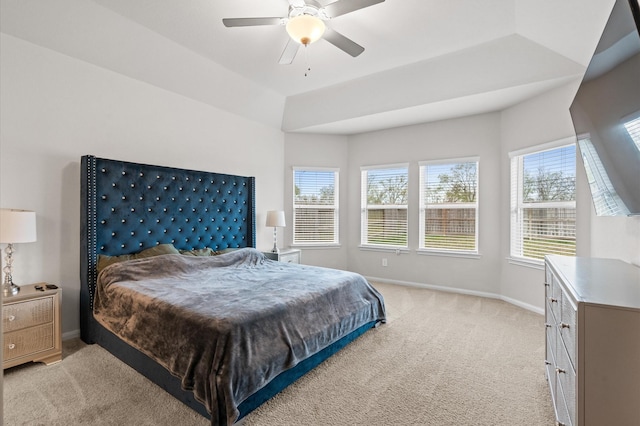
(449, 205)
(606, 200)
(543, 206)
(384, 205)
(315, 206)
(632, 125)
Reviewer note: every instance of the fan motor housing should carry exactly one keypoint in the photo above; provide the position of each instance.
(307, 9)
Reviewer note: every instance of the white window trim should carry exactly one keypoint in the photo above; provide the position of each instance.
(336, 207)
(521, 153)
(449, 253)
(364, 208)
(317, 246)
(525, 261)
(450, 160)
(445, 252)
(389, 249)
(385, 166)
(548, 146)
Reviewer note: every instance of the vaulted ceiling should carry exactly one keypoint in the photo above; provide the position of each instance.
(424, 60)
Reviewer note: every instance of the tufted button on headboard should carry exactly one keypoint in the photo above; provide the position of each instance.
(127, 207)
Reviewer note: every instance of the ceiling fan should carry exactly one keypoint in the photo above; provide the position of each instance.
(305, 25)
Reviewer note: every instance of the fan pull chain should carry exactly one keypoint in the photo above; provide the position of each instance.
(306, 60)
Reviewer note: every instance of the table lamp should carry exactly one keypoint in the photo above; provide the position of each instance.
(16, 226)
(275, 218)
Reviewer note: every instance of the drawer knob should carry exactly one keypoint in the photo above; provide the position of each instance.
(547, 325)
(553, 300)
(12, 345)
(546, 362)
(563, 325)
(560, 370)
(12, 317)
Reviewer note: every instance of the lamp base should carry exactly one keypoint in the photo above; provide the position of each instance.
(275, 241)
(10, 289)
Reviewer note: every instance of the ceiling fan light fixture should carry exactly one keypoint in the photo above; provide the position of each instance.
(305, 29)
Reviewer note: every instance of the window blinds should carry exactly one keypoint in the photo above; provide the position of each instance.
(543, 208)
(315, 206)
(633, 128)
(384, 205)
(448, 205)
(605, 198)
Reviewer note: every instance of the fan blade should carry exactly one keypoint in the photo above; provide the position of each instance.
(342, 42)
(250, 22)
(289, 52)
(342, 7)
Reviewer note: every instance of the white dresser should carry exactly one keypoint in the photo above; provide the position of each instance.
(593, 340)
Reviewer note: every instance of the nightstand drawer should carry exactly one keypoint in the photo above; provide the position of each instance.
(28, 342)
(31, 326)
(284, 255)
(16, 316)
(290, 257)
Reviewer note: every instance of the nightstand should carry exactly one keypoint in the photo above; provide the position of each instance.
(31, 326)
(285, 255)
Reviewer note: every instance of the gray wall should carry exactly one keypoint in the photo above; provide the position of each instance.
(54, 109)
(540, 120)
(329, 151)
(464, 137)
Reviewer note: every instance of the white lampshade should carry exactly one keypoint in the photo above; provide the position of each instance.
(275, 218)
(17, 226)
(305, 29)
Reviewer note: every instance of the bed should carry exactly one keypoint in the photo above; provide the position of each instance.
(213, 358)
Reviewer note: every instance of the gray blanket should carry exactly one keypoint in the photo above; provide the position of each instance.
(227, 325)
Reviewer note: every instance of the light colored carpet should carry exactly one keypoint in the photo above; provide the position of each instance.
(441, 359)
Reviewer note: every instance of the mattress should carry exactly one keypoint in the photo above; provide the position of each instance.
(227, 325)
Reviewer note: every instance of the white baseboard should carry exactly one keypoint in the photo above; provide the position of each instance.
(515, 302)
(523, 305)
(71, 334)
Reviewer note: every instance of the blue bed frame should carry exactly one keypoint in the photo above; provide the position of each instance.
(127, 207)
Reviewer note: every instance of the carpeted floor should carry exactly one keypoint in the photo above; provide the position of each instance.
(441, 359)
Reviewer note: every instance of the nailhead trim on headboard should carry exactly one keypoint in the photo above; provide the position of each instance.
(127, 207)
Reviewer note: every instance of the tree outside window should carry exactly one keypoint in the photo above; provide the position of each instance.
(315, 206)
(543, 206)
(384, 205)
(448, 205)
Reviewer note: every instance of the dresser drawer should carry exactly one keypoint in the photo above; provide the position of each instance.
(28, 342)
(554, 302)
(567, 328)
(562, 413)
(597, 350)
(554, 295)
(551, 332)
(566, 382)
(16, 316)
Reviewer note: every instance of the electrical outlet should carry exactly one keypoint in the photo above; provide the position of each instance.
(384, 261)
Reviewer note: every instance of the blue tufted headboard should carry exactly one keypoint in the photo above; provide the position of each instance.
(127, 207)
